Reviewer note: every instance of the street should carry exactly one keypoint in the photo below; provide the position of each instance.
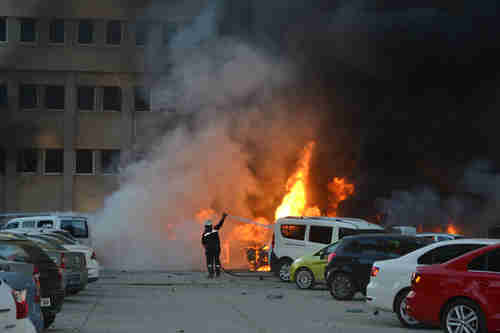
(189, 302)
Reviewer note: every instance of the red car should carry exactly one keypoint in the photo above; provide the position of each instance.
(461, 295)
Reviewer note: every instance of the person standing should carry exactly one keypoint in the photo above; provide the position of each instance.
(211, 242)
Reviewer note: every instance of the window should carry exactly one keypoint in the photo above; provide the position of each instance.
(2, 161)
(142, 31)
(3, 95)
(293, 231)
(13, 225)
(84, 161)
(28, 224)
(445, 253)
(343, 232)
(11, 252)
(27, 160)
(56, 33)
(142, 99)
(114, 33)
(112, 99)
(86, 98)
(86, 32)
(3, 29)
(28, 30)
(54, 161)
(110, 160)
(169, 30)
(28, 96)
(77, 228)
(45, 224)
(444, 238)
(486, 262)
(54, 97)
(321, 235)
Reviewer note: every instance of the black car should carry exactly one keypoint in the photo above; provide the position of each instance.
(349, 268)
(45, 273)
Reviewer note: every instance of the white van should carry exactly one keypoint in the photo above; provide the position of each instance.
(295, 237)
(76, 225)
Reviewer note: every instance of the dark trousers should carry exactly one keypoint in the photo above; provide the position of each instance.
(213, 262)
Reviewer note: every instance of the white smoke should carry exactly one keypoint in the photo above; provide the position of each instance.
(227, 89)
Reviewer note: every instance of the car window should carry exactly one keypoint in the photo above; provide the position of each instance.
(443, 238)
(319, 234)
(28, 224)
(12, 225)
(487, 262)
(445, 253)
(13, 252)
(351, 232)
(328, 249)
(45, 224)
(293, 231)
(76, 227)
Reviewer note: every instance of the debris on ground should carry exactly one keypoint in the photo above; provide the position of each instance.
(244, 292)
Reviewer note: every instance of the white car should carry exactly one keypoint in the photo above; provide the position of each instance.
(390, 279)
(438, 236)
(13, 305)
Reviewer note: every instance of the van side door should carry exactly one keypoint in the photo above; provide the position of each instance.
(319, 236)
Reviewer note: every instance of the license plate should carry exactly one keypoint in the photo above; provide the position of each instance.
(45, 301)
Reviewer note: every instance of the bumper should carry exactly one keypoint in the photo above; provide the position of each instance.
(56, 302)
(423, 308)
(379, 298)
(25, 326)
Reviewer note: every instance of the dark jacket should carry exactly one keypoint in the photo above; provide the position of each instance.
(210, 238)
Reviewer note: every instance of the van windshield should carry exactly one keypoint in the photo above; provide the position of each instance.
(76, 227)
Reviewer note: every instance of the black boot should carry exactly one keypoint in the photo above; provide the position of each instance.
(217, 271)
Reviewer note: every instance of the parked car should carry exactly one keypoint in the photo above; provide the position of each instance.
(14, 310)
(438, 236)
(295, 237)
(309, 270)
(72, 265)
(390, 279)
(46, 272)
(26, 289)
(93, 266)
(76, 225)
(461, 295)
(349, 267)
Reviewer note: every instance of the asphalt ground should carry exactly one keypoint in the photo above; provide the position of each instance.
(189, 302)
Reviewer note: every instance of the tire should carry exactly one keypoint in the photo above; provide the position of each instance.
(304, 278)
(284, 269)
(462, 312)
(342, 286)
(400, 307)
(48, 319)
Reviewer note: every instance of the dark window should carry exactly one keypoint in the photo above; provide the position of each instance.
(112, 98)
(54, 161)
(142, 31)
(86, 32)
(443, 254)
(114, 33)
(293, 231)
(395, 247)
(494, 261)
(56, 34)
(77, 228)
(13, 225)
(3, 95)
(169, 30)
(3, 29)
(86, 98)
(444, 238)
(28, 224)
(486, 262)
(11, 252)
(28, 30)
(45, 224)
(2, 161)
(350, 232)
(28, 96)
(110, 160)
(84, 161)
(142, 99)
(27, 160)
(478, 264)
(318, 234)
(54, 97)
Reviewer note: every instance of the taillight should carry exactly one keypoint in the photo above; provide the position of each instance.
(375, 271)
(415, 278)
(93, 256)
(63, 261)
(36, 278)
(21, 304)
(331, 256)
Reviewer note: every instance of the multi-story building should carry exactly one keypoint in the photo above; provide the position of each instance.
(74, 95)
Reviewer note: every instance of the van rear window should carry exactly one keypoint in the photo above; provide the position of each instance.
(293, 231)
(76, 227)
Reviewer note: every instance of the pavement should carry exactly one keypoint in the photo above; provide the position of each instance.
(181, 302)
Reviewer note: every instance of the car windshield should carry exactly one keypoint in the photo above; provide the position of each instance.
(327, 249)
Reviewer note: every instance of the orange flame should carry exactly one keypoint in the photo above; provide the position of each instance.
(339, 191)
(451, 229)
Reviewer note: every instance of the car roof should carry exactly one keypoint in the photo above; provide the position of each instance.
(381, 235)
(421, 234)
(348, 222)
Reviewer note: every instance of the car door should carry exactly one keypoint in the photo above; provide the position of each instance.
(370, 251)
(318, 237)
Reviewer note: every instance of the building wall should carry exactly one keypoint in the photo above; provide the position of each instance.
(72, 65)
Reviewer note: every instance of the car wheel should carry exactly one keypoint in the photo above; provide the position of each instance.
(48, 319)
(284, 269)
(463, 315)
(403, 316)
(342, 286)
(304, 278)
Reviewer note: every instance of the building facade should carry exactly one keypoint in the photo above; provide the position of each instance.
(74, 95)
